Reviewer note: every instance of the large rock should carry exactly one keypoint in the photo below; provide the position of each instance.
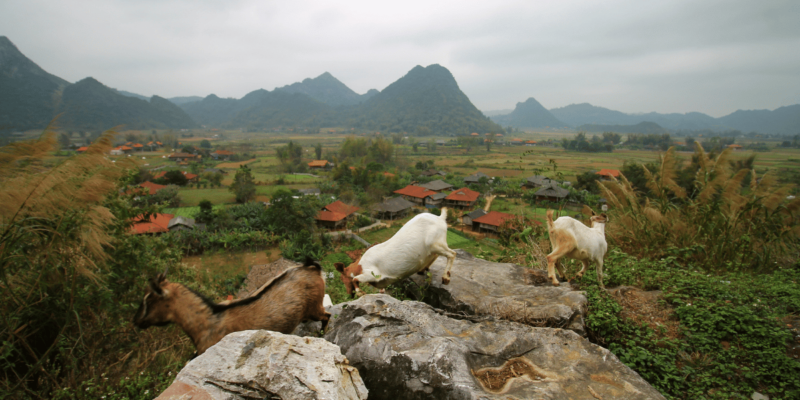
(409, 350)
(506, 291)
(268, 365)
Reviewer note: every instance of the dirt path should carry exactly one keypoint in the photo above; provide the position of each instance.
(488, 203)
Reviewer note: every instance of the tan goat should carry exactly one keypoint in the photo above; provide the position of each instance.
(279, 305)
(571, 238)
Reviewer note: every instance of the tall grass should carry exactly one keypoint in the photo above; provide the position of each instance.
(720, 223)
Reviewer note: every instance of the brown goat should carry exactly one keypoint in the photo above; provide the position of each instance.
(279, 305)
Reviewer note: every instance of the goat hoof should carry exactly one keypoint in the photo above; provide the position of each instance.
(445, 280)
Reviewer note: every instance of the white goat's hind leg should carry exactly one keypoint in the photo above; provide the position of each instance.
(451, 257)
(600, 272)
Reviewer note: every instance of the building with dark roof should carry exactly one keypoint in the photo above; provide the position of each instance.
(552, 192)
(536, 181)
(395, 207)
(437, 185)
(467, 218)
(475, 178)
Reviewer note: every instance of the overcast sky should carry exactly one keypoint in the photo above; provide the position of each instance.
(633, 56)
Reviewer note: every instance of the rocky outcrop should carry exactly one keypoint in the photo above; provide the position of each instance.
(268, 365)
(409, 350)
(508, 291)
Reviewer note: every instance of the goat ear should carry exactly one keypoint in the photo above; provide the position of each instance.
(604, 216)
(162, 276)
(339, 267)
(593, 213)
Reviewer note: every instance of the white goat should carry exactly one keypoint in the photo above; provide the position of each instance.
(571, 238)
(412, 249)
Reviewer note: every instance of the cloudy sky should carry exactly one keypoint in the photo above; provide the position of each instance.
(633, 56)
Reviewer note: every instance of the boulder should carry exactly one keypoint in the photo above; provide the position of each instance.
(409, 350)
(508, 291)
(268, 365)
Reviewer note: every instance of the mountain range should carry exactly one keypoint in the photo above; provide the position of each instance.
(427, 100)
(531, 114)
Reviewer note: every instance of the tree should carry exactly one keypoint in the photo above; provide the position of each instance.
(290, 156)
(318, 151)
(432, 145)
(174, 177)
(488, 143)
(415, 147)
(63, 140)
(243, 186)
(205, 144)
(381, 151)
(611, 137)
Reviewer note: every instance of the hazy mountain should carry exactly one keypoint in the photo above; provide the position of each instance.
(783, 121)
(494, 113)
(329, 90)
(529, 114)
(28, 94)
(259, 109)
(129, 94)
(585, 113)
(90, 105)
(184, 99)
(642, 127)
(425, 100)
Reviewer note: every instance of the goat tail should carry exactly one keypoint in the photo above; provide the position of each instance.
(310, 262)
(443, 215)
(550, 220)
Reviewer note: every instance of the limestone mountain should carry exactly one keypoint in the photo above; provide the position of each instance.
(184, 99)
(641, 127)
(90, 105)
(782, 121)
(28, 94)
(260, 109)
(530, 114)
(329, 90)
(424, 100)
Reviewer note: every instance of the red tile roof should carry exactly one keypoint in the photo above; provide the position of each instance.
(160, 174)
(341, 208)
(189, 176)
(494, 218)
(388, 174)
(516, 140)
(608, 172)
(464, 194)
(318, 163)
(474, 134)
(224, 152)
(151, 187)
(530, 142)
(326, 215)
(138, 145)
(157, 223)
(82, 149)
(415, 191)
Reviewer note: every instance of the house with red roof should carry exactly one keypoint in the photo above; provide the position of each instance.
(335, 215)
(154, 223)
(149, 188)
(462, 198)
(608, 174)
(181, 157)
(138, 147)
(222, 154)
(191, 177)
(82, 149)
(735, 147)
(318, 164)
(415, 194)
(490, 222)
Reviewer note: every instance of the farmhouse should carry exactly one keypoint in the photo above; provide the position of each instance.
(735, 147)
(149, 188)
(462, 198)
(154, 223)
(490, 222)
(335, 215)
(432, 172)
(467, 218)
(552, 192)
(415, 194)
(181, 157)
(435, 200)
(608, 174)
(318, 164)
(191, 177)
(395, 207)
(535, 181)
(222, 154)
(437, 186)
(475, 178)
